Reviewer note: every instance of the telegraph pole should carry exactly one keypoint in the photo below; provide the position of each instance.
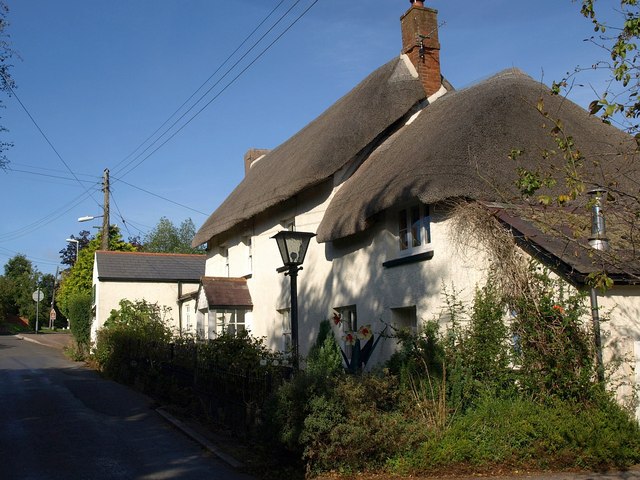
(105, 216)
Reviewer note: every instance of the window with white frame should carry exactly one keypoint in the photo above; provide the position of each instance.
(224, 253)
(414, 229)
(285, 319)
(187, 314)
(249, 244)
(348, 325)
(229, 321)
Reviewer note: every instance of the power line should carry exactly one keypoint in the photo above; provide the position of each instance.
(47, 219)
(160, 197)
(202, 85)
(131, 166)
(17, 170)
(33, 120)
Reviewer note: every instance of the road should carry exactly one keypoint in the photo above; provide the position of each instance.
(60, 420)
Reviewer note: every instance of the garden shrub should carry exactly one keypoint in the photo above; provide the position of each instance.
(133, 341)
(523, 433)
(79, 314)
(554, 349)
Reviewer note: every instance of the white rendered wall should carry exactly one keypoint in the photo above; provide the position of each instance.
(109, 294)
(350, 273)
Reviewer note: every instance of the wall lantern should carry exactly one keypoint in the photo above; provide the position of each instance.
(293, 248)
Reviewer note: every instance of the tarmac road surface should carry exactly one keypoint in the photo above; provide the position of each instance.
(60, 420)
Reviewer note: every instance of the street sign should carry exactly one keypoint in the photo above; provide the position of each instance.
(37, 296)
(52, 315)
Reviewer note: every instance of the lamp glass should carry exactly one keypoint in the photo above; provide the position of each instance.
(293, 246)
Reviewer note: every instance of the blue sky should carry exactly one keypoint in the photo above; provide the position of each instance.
(99, 77)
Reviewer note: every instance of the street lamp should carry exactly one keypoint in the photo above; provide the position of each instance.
(293, 248)
(89, 217)
(77, 242)
(105, 227)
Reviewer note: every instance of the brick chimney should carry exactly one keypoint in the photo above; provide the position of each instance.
(420, 43)
(252, 155)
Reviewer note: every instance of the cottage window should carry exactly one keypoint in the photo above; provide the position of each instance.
(348, 324)
(405, 318)
(224, 253)
(285, 318)
(229, 321)
(249, 250)
(414, 231)
(188, 316)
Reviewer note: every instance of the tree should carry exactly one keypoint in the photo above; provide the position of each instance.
(619, 102)
(68, 254)
(565, 184)
(6, 82)
(17, 285)
(167, 238)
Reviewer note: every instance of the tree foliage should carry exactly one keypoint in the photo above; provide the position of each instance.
(618, 102)
(79, 278)
(17, 285)
(168, 238)
(68, 254)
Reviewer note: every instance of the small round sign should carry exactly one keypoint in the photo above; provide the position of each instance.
(38, 295)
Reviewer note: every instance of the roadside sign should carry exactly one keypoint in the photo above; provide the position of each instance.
(52, 315)
(37, 296)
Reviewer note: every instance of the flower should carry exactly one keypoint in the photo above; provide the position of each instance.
(349, 338)
(337, 319)
(365, 333)
(558, 309)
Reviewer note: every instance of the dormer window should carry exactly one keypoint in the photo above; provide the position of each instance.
(414, 231)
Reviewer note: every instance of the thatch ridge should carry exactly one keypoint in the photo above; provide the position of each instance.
(459, 147)
(321, 148)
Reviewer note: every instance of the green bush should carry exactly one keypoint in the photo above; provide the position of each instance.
(133, 341)
(521, 433)
(79, 310)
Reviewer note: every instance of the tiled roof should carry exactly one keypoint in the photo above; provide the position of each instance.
(149, 267)
(226, 292)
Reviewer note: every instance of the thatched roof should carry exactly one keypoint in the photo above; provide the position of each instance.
(321, 148)
(459, 147)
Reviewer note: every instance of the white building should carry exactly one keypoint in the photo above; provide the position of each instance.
(374, 177)
(168, 279)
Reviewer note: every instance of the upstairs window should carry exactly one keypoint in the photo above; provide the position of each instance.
(224, 253)
(414, 229)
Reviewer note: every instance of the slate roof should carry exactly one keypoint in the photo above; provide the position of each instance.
(458, 147)
(321, 148)
(562, 250)
(149, 267)
(226, 292)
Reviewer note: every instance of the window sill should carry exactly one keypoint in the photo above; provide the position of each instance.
(419, 257)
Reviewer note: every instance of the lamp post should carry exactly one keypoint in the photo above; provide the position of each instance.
(77, 242)
(293, 248)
